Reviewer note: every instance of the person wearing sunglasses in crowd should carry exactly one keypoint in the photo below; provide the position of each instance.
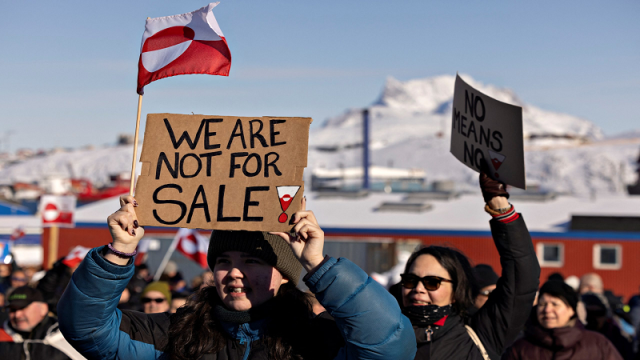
(156, 298)
(438, 289)
(253, 311)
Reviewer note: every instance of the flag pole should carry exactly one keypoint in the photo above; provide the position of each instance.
(135, 148)
(166, 258)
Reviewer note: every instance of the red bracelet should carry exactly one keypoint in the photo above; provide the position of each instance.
(122, 254)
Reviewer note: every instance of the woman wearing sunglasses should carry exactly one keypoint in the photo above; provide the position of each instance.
(253, 311)
(437, 290)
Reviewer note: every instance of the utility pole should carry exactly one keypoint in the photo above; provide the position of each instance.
(365, 149)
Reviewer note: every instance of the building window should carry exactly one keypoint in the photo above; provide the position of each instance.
(550, 255)
(607, 256)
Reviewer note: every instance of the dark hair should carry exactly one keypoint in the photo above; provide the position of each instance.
(459, 268)
(194, 331)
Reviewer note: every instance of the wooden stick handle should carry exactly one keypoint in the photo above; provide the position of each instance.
(135, 148)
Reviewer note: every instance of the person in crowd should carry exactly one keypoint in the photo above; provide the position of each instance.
(30, 271)
(599, 321)
(156, 298)
(485, 282)
(555, 276)
(177, 301)
(30, 333)
(438, 287)
(591, 283)
(136, 285)
(170, 271)
(55, 280)
(254, 310)
(634, 311)
(554, 332)
(5, 276)
(178, 285)
(18, 279)
(124, 301)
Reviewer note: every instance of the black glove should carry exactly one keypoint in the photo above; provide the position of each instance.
(489, 186)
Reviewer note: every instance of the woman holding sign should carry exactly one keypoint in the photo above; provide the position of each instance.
(437, 290)
(254, 311)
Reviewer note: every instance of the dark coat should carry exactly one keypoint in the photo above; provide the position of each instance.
(322, 339)
(53, 283)
(571, 342)
(12, 350)
(503, 316)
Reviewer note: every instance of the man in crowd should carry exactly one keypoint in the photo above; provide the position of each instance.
(486, 280)
(30, 333)
(602, 314)
(156, 298)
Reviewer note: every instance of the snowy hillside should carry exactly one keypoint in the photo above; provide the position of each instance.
(422, 108)
(410, 129)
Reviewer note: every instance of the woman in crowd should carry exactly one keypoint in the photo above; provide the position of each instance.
(554, 332)
(254, 311)
(437, 288)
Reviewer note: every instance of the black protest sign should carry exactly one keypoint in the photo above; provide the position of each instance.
(485, 128)
(222, 172)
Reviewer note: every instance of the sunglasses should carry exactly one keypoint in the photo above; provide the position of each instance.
(431, 283)
(157, 300)
(19, 279)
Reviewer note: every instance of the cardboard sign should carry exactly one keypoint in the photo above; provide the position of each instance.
(485, 128)
(222, 172)
(57, 210)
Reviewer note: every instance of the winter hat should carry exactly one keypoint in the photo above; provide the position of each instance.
(484, 275)
(160, 286)
(268, 247)
(562, 291)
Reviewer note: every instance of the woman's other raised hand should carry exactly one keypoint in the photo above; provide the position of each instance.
(306, 238)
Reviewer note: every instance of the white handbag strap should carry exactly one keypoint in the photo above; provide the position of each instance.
(476, 340)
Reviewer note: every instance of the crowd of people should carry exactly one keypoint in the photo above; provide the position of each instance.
(96, 304)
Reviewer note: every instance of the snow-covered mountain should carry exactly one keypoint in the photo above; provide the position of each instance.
(410, 128)
(422, 108)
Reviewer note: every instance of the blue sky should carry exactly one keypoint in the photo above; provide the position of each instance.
(68, 69)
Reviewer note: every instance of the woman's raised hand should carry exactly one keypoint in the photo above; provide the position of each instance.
(306, 239)
(123, 225)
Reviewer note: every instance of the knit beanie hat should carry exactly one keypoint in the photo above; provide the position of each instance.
(484, 276)
(160, 286)
(562, 291)
(268, 247)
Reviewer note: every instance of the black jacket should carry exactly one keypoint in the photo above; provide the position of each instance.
(322, 339)
(27, 348)
(53, 283)
(499, 321)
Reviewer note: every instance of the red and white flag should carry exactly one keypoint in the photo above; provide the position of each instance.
(75, 256)
(193, 245)
(18, 233)
(190, 43)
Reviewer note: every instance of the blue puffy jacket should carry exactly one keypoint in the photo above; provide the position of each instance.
(368, 317)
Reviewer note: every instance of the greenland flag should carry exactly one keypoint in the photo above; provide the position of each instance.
(190, 43)
(193, 245)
